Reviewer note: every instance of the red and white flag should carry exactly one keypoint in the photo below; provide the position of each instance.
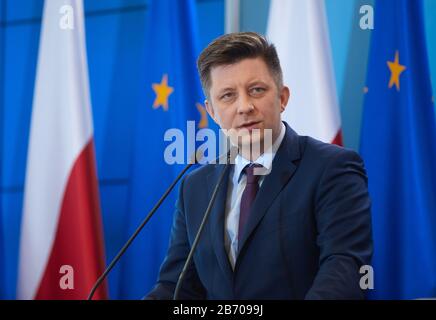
(61, 247)
(299, 31)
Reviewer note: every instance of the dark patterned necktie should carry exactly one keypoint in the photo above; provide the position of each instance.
(248, 197)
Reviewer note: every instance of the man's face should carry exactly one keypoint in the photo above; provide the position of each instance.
(243, 96)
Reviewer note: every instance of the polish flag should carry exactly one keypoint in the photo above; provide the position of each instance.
(299, 31)
(61, 248)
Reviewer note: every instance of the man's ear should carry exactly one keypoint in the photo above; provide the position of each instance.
(285, 93)
(210, 110)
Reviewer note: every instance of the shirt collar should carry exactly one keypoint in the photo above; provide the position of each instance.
(265, 159)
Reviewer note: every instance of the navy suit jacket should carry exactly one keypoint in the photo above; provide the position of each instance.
(308, 234)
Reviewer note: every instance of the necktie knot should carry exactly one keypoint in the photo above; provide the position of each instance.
(252, 177)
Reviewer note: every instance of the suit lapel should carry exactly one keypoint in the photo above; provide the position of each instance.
(282, 170)
(217, 218)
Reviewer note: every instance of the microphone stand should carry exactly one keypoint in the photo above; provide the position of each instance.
(137, 231)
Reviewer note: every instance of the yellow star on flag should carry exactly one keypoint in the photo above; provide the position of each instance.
(203, 116)
(162, 91)
(396, 70)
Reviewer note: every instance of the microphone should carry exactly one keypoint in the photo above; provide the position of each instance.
(195, 158)
(200, 229)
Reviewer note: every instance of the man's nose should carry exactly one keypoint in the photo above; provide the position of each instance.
(245, 105)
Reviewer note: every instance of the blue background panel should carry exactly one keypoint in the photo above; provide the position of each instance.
(23, 10)
(26, 10)
(12, 203)
(19, 76)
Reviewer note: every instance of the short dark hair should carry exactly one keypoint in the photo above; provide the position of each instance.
(234, 47)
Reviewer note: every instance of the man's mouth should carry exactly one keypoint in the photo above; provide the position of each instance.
(250, 125)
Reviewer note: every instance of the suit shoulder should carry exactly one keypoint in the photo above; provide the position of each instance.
(324, 153)
(328, 160)
(200, 174)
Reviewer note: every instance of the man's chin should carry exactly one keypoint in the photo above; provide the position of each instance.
(249, 142)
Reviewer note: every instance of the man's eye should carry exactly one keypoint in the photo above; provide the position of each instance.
(227, 96)
(257, 90)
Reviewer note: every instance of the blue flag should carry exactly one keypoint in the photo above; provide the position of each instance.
(172, 96)
(398, 145)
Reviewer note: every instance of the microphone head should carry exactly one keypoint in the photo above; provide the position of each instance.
(225, 158)
(197, 156)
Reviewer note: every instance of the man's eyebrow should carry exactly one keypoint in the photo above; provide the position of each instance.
(225, 89)
(254, 82)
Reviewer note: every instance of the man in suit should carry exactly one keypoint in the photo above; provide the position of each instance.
(302, 231)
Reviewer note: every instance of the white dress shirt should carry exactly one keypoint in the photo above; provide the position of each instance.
(236, 186)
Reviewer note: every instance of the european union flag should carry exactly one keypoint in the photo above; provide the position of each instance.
(172, 96)
(398, 145)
